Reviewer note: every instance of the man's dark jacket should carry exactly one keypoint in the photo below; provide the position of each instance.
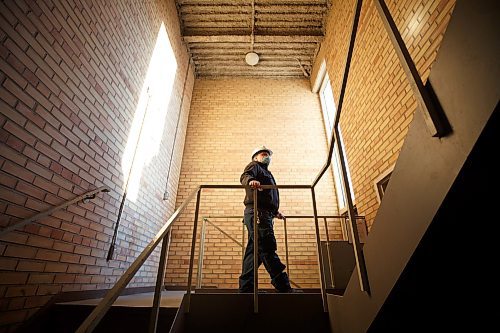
(266, 199)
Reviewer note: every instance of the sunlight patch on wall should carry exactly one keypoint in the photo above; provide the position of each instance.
(147, 128)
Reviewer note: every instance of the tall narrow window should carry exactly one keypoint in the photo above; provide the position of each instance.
(327, 105)
(146, 131)
(329, 112)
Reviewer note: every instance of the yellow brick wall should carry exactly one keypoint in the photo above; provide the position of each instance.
(379, 103)
(228, 119)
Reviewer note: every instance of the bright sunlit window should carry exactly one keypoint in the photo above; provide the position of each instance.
(147, 128)
(327, 105)
(329, 113)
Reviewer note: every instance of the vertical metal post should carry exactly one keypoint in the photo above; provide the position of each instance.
(286, 249)
(201, 254)
(330, 268)
(193, 245)
(255, 254)
(434, 121)
(159, 284)
(345, 231)
(243, 241)
(365, 227)
(361, 268)
(358, 252)
(320, 254)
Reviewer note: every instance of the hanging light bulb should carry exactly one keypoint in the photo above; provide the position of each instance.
(252, 58)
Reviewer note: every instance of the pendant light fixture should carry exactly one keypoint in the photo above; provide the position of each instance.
(252, 58)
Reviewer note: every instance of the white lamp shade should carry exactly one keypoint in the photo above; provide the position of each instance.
(252, 58)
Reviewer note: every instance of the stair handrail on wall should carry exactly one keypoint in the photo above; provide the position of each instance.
(89, 195)
(93, 319)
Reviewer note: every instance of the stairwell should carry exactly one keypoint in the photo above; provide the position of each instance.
(412, 251)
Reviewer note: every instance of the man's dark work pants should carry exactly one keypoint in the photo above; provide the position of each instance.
(267, 254)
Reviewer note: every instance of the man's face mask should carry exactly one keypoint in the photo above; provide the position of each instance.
(266, 160)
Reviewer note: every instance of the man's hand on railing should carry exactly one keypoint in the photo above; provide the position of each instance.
(255, 184)
(280, 216)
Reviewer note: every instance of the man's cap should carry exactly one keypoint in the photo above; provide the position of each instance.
(261, 149)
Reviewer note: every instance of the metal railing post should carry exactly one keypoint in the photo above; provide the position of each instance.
(345, 231)
(358, 252)
(330, 268)
(193, 245)
(320, 254)
(335, 138)
(242, 241)
(243, 236)
(199, 273)
(255, 254)
(286, 249)
(153, 322)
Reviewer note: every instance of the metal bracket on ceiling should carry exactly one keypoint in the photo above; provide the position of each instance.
(306, 73)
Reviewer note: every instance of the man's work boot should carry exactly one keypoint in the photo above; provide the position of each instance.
(281, 283)
(293, 291)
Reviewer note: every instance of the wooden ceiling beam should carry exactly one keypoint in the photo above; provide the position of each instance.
(257, 39)
(276, 52)
(276, 76)
(264, 63)
(250, 69)
(274, 8)
(249, 3)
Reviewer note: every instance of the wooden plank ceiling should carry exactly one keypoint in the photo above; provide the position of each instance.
(286, 35)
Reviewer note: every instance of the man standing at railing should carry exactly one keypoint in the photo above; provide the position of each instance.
(256, 174)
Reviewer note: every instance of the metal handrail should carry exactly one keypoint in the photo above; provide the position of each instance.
(436, 122)
(288, 217)
(86, 196)
(201, 251)
(98, 313)
(255, 292)
(100, 310)
(205, 219)
(358, 253)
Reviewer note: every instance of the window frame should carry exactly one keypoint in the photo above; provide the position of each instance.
(329, 111)
(384, 177)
